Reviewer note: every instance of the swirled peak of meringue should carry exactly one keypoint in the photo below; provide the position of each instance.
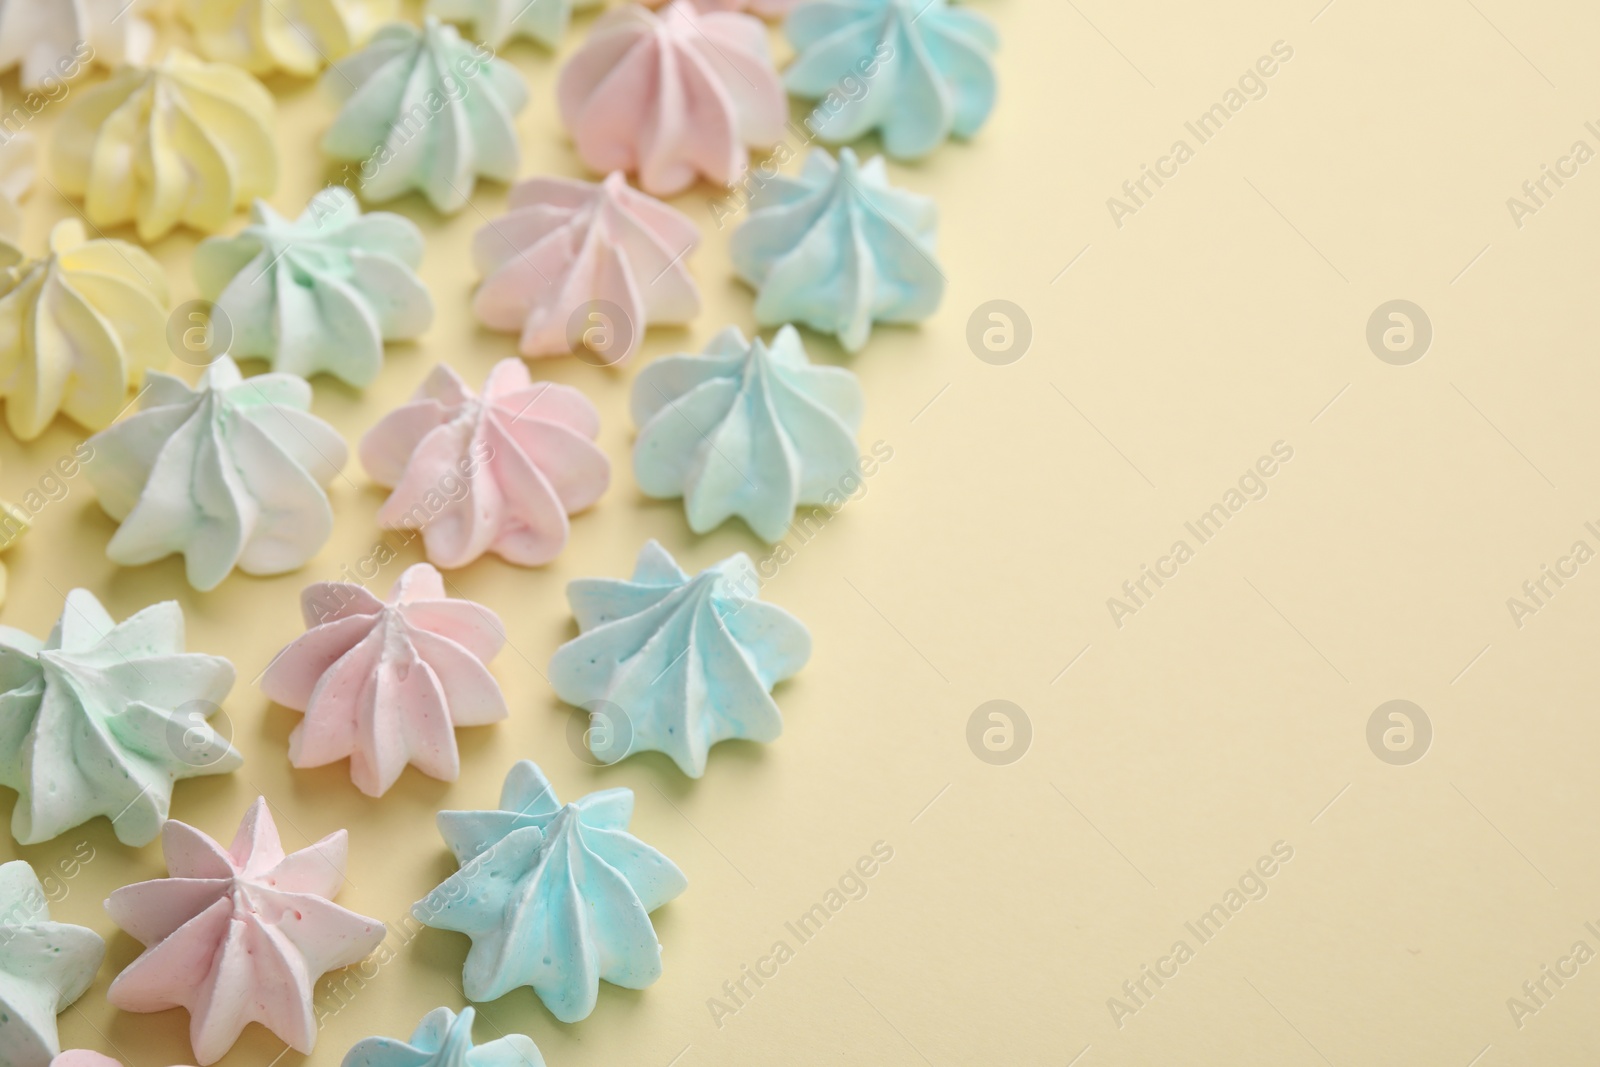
(295, 36)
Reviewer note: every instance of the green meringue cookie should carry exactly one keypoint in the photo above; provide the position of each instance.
(44, 967)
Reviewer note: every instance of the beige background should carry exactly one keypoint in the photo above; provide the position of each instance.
(1167, 755)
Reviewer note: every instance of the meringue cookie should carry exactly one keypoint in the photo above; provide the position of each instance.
(44, 966)
(676, 664)
(444, 1039)
(566, 245)
(322, 293)
(673, 95)
(239, 935)
(838, 248)
(493, 473)
(55, 39)
(103, 717)
(425, 110)
(928, 67)
(765, 8)
(82, 1057)
(229, 473)
(746, 429)
(180, 141)
(556, 897)
(296, 36)
(78, 329)
(496, 22)
(18, 154)
(14, 522)
(384, 683)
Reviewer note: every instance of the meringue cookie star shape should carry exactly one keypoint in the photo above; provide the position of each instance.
(44, 967)
(496, 22)
(425, 110)
(239, 935)
(676, 664)
(566, 246)
(748, 429)
(295, 36)
(444, 1039)
(928, 67)
(838, 248)
(103, 717)
(229, 473)
(55, 39)
(322, 293)
(498, 472)
(180, 141)
(385, 683)
(78, 329)
(553, 896)
(673, 95)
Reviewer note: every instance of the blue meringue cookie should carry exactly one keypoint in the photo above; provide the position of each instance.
(444, 1039)
(553, 896)
(321, 293)
(838, 248)
(674, 664)
(746, 429)
(927, 70)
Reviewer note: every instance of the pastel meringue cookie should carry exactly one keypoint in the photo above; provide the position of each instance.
(295, 36)
(444, 1039)
(497, 22)
(181, 141)
(747, 429)
(674, 664)
(14, 522)
(566, 249)
(425, 110)
(320, 294)
(18, 165)
(385, 683)
(498, 472)
(239, 935)
(928, 67)
(82, 1057)
(229, 473)
(78, 329)
(672, 96)
(555, 897)
(102, 718)
(838, 248)
(44, 967)
(51, 41)
(767, 9)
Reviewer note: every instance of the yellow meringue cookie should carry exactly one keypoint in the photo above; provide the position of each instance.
(78, 329)
(17, 155)
(298, 36)
(179, 141)
(13, 524)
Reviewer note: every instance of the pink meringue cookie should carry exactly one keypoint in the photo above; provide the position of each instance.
(239, 935)
(768, 9)
(493, 473)
(82, 1057)
(566, 249)
(385, 683)
(673, 95)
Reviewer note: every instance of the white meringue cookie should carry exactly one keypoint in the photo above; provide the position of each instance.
(55, 39)
(180, 141)
(297, 36)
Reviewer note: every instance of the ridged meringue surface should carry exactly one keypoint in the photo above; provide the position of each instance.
(320, 294)
(676, 664)
(566, 245)
(767, 9)
(747, 429)
(384, 683)
(82, 1057)
(103, 717)
(928, 68)
(838, 248)
(14, 522)
(498, 472)
(78, 329)
(425, 110)
(18, 165)
(179, 141)
(296, 36)
(553, 896)
(48, 39)
(673, 95)
(44, 967)
(497, 22)
(229, 473)
(239, 935)
(444, 1039)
